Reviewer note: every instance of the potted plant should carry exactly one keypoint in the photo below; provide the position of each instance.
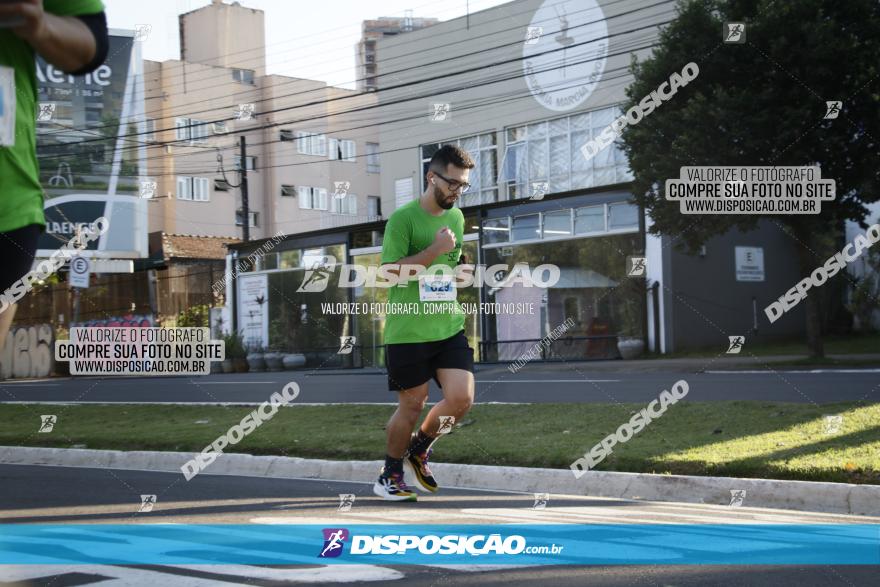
(293, 361)
(255, 358)
(274, 360)
(236, 354)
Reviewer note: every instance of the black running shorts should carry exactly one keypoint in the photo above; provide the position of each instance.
(17, 248)
(411, 364)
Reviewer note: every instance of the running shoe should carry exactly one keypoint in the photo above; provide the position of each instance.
(392, 488)
(418, 464)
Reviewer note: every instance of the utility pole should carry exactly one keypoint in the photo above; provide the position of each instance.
(246, 232)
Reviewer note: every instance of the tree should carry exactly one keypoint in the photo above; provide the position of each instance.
(763, 102)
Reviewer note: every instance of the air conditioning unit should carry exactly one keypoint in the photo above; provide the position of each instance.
(287, 135)
(220, 128)
(288, 190)
(221, 185)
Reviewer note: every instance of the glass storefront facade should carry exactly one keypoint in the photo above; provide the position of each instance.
(587, 236)
(590, 245)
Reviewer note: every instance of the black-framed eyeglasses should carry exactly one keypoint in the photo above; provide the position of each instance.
(454, 185)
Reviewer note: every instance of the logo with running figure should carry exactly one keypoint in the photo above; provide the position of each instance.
(541, 500)
(317, 277)
(346, 345)
(46, 111)
(334, 540)
(446, 424)
(147, 503)
(735, 32)
(47, 423)
(832, 109)
(736, 344)
(636, 266)
(346, 500)
(737, 497)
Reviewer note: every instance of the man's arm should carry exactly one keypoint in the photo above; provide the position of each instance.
(444, 241)
(424, 258)
(64, 41)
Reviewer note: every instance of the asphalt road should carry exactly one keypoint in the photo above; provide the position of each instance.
(62, 495)
(566, 382)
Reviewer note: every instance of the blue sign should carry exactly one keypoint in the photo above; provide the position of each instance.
(514, 544)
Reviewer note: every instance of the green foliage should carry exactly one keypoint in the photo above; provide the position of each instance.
(761, 103)
(194, 316)
(235, 347)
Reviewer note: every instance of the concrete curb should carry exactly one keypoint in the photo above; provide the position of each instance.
(836, 498)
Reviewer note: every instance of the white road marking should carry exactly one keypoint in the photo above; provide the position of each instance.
(547, 380)
(325, 574)
(793, 371)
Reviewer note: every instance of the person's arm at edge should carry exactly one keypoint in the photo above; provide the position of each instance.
(64, 41)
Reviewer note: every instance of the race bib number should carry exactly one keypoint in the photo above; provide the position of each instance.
(436, 288)
(7, 106)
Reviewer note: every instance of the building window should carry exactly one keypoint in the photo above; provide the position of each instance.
(221, 185)
(373, 158)
(201, 189)
(184, 188)
(345, 205)
(589, 219)
(483, 177)
(254, 218)
(374, 207)
(287, 135)
(550, 151)
(196, 189)
(596, 220)
(347, 150)
(623, 216)
(289, 190)
(526, 227)
(557, 223)
(243, 76)
(403, 191)
(496, 230)
(190, 129)
(309, 143)
(251, 163)
(312, 198)
(150, 130)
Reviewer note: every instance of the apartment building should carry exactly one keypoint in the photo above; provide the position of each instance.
(366, 53)
(311, 161)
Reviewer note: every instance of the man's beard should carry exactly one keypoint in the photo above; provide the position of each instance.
(443, 201)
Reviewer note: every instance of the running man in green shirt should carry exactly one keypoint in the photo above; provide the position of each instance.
(72, 36)
(428, 344)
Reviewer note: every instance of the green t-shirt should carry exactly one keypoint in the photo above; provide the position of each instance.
(410, 230)
(21, 196)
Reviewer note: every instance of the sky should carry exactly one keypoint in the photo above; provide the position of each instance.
(315, 43)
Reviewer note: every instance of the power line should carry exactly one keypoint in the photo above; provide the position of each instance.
(489, 102)
(441, 62)
(390, 88)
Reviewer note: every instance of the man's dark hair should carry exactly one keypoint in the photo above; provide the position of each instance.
(450, 154)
